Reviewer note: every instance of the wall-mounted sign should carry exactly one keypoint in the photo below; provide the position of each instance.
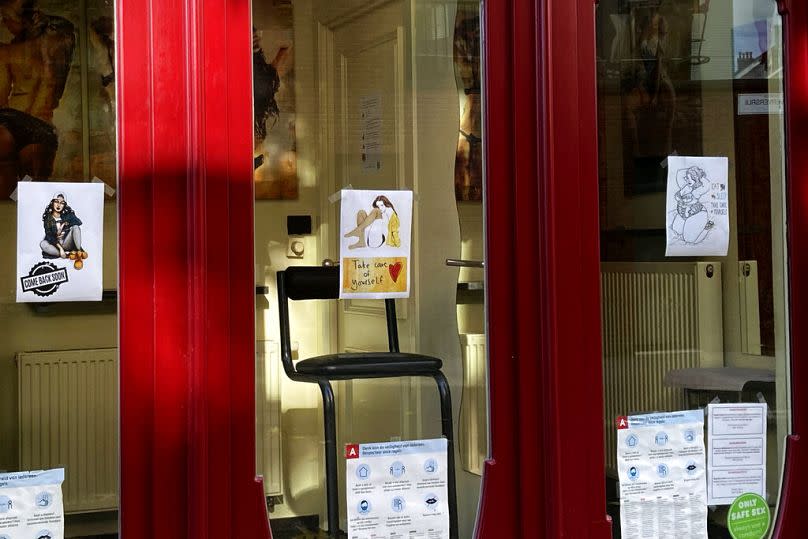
(736, 456)
(397, 490)
(375, 244)
(697, 206)
(760, 104)
(370, 110)
(31, 504)
(660, 461)
(60, 233)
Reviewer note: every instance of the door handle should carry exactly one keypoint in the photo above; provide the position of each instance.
(454, 262)
(327, 262)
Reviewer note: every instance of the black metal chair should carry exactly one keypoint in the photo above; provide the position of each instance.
(315, 282)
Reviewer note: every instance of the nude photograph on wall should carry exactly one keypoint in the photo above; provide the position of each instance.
(275, 153)
(468, 156)
(46, 128)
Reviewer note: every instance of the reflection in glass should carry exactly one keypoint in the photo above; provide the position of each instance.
(692, 78)
(58, 362)
(412, 73)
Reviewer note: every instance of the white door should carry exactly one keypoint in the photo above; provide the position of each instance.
(369, 55)
(398, 57)
(363, 61)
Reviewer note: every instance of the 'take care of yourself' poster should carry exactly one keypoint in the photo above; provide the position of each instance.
(375, 231)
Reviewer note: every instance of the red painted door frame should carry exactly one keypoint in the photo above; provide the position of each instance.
(546, 476)
(186, 272)
(793, 518)
(187, 294)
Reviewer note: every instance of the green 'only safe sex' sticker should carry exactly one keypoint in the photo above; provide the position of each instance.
(749, 517)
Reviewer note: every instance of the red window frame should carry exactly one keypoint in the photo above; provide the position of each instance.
(186, 275)
(186, 287)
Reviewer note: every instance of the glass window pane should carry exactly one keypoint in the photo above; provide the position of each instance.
(382, 97)
(702, 79)
(58, 359)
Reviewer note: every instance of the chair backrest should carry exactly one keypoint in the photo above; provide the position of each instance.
(317, 282)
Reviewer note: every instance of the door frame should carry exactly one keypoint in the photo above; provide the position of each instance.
(186, 284)
(792, 518)
(187, 299)
(541, 168)
(545, 374)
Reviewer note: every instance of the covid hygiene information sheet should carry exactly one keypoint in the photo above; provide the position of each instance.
(661, 464)
(31, 505)
(398, 490)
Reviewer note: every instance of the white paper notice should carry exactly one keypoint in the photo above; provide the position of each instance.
(736, 451)
(398, 490)
(760, 104)
(60, 236)
(697, 206)
(660, 459)
(370, 109)
(375, 244)
(31, 505)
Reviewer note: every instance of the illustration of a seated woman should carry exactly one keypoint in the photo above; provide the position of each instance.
(691, 223)
(62, 232)
(377, 228)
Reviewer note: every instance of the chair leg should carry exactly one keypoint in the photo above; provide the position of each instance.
(331, 486)
(448, 433)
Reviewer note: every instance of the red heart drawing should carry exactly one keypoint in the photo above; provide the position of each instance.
(394, 270)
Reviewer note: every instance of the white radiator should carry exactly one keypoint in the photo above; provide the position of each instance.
(656, 317)
(473, 429)
(268, 415)
(68, 402)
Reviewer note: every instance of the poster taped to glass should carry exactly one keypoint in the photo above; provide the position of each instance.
(60, 235)
(375, 244)
(697, 206)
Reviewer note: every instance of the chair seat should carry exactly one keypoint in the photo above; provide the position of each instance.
(369, 365)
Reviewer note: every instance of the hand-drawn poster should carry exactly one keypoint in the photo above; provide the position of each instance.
(57, 116)
(60, 229)
(275, 152)
(31, 504)
(375, 244)
(697, 206)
